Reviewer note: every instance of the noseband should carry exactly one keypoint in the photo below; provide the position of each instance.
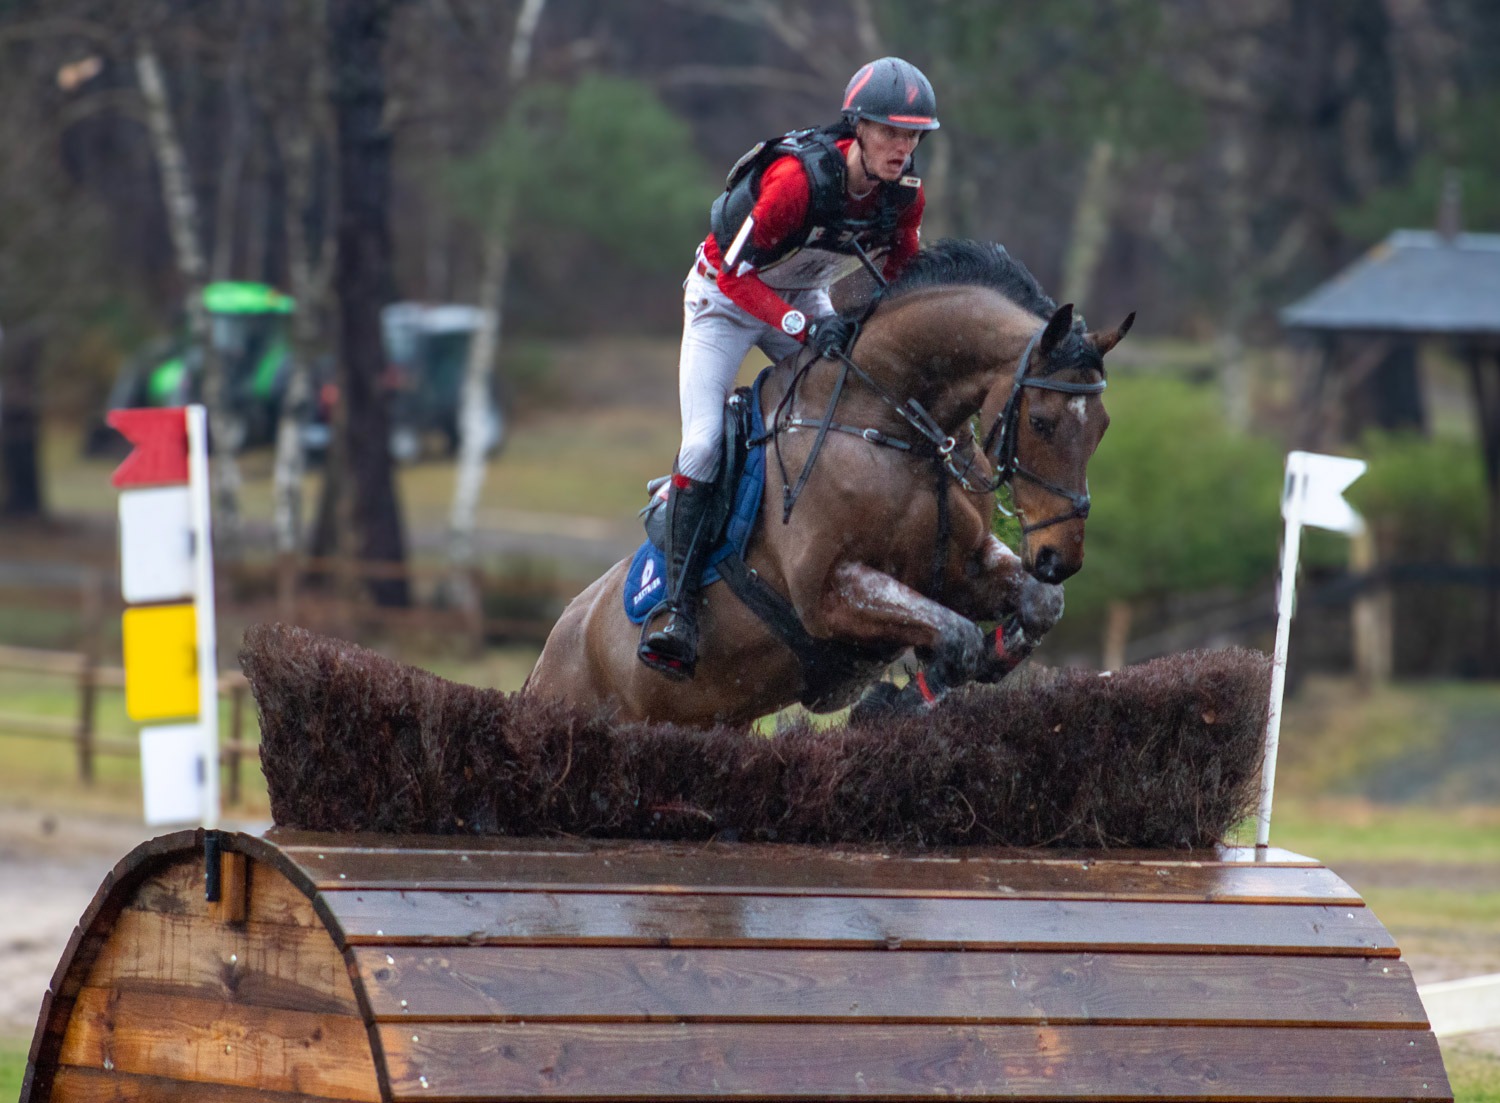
(1002, 441)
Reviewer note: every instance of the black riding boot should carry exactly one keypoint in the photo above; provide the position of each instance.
(673, 648)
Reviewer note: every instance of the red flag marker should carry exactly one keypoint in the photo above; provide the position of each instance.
(161, 446)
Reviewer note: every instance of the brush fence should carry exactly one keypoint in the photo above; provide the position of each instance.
(402, 968)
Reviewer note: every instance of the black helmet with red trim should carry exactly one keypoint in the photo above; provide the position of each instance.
(891, 91)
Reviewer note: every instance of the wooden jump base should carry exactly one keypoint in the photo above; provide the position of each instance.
(420, 968)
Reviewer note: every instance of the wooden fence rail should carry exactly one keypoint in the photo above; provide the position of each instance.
(82, 728)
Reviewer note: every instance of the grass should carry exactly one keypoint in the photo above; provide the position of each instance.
(12, 1065)
(1336, 830)
(1473, 1075)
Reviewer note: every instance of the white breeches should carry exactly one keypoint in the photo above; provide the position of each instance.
(717, 335)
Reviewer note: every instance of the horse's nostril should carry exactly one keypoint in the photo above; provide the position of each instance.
(1048, 567)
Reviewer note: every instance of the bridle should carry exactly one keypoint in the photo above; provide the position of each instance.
(1002, 441)
(1003, 437)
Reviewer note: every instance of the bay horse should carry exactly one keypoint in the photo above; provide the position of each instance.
(889, 544)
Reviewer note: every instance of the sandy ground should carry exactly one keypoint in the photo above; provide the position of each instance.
(51, 865)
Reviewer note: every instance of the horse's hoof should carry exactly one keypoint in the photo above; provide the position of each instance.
(1040, 607)
(957, 659)
(878, 701)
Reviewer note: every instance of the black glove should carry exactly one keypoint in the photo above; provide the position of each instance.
(831, 334)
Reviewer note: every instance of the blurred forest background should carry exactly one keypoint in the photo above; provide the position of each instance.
(552, 162)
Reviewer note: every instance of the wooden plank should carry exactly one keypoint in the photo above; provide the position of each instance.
(38, 727)
(32, 660)
(657, 871)
(76, 1085)
(271, 898)
(213, 1042)
(296, 844)
(787, 1062)
(532, 984)
(234, 886)
(853, 922)
(263, 964)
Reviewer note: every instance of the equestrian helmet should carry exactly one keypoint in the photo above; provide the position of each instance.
(891, 91)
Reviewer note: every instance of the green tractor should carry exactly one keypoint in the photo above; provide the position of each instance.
(248, 325)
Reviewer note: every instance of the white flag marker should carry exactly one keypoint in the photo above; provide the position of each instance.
(1313, 494)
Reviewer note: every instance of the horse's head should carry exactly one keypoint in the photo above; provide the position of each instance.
(1048, 417)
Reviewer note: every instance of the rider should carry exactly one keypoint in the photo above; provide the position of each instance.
(792, 221)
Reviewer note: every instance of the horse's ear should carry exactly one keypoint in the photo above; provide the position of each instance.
(1057, 329)
(1106, 341)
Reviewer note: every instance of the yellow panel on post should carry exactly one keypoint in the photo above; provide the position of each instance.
(161, 662)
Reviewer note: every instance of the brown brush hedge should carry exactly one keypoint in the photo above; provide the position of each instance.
(1164, 754)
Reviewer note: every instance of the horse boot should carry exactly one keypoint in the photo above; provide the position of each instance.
(673, 648)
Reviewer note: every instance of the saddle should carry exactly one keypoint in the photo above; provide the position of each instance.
(831, 670)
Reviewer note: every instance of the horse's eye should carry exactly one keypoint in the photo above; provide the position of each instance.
(1041, 426)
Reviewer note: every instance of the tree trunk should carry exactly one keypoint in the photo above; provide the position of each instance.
(182, 219)
(357, 33)
(21, 351)
(1371, 616)
(1485, 380)
(479, 370)
(1236, 276)
(1117, 622)
(1091, 222)
(475, 401)
(300, 122)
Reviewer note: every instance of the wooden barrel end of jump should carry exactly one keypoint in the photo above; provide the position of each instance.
(441, 968)
(163, 995)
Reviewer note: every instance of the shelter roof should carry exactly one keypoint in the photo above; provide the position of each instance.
(1415, 281)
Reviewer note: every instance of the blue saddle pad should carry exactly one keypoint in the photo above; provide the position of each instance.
(646, 581)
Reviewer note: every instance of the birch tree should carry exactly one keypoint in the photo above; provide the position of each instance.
(182, 219)
(298, 107)
(479, 371)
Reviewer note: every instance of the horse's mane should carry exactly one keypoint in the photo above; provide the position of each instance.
(955, 262)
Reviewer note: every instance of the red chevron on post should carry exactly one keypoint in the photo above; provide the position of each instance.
(161, 446)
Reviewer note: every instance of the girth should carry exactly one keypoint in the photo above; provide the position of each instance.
(828, 666)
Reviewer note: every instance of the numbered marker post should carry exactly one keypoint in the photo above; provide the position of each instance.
(1313, 494)
(166, 576)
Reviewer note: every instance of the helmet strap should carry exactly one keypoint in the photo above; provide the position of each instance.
(871, 179)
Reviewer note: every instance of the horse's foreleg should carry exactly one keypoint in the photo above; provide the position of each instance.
(865, 605)
(996, 587)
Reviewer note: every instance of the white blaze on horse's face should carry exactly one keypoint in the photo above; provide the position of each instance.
(1080, 408)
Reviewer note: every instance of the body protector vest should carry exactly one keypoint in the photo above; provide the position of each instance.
(821, 250)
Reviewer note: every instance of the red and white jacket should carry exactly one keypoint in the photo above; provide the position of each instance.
(780, 213)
